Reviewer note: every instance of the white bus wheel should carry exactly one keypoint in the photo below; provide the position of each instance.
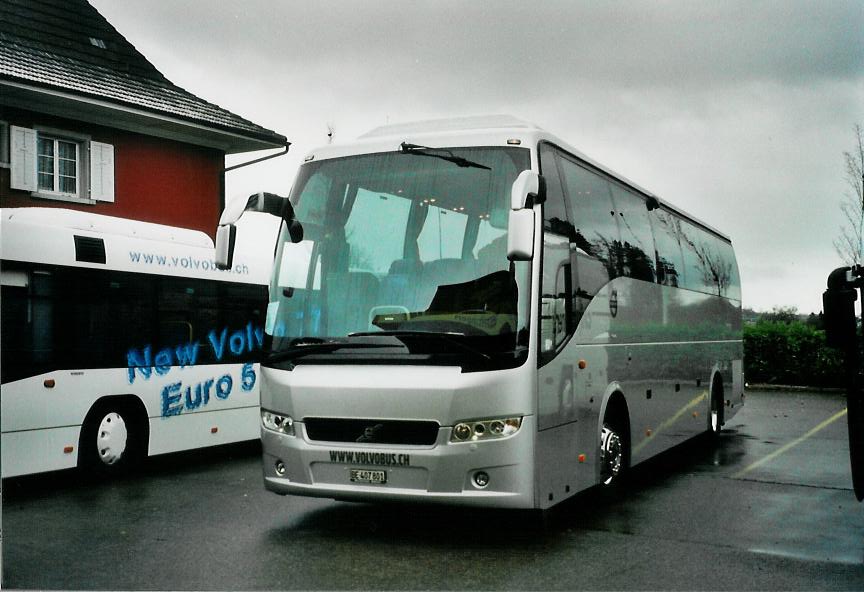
(715, 411)
(111, 439)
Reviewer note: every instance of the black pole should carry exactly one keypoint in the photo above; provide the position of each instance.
(841, 331)
(855, 412)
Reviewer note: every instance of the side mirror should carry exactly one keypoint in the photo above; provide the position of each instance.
(520, 235)
(226, 236)
(268, 203)
(527, 190)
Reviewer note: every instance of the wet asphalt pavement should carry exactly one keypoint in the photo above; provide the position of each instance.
(769, 507)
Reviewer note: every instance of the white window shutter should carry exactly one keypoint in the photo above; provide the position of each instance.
(23, 158)
(101, 171)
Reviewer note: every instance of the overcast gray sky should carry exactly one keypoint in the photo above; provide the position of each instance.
(737, 112)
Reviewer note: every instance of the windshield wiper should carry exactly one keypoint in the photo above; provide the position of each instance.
(307, 348)
(447, 155)
(446, 337)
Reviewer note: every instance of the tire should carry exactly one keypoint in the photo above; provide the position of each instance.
(716, 410)
(614, 454)
(113, 439)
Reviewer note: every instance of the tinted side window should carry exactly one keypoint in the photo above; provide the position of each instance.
(555, 216)
(694, 268)
(727, 255)
(221, 318)
(596, 226)
(27, 347)
(710, 269)
(667, 236)
(62, 318)
(556, 306)
(636, 249)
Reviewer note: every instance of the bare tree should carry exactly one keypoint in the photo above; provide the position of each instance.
(850, 243)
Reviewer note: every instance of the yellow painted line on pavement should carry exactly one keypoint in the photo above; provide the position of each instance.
(666, 424)
(790, 445)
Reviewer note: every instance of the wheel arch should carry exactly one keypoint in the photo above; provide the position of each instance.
(615, 402)
(717, 388)
(128, 401)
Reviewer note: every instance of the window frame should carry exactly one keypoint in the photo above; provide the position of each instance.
(55, 173)
(82, 150)
(5, 145)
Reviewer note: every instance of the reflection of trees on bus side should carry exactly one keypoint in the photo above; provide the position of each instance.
(666, 271)
(633, 256)
(667, 236)
(683, 258)
(632, 261)
(715, 269)
(618, 258)
(624, 259)
(715, 272)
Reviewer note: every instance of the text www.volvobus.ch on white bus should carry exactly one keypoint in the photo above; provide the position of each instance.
(187, 262)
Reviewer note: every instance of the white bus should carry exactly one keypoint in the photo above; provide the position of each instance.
(121, 339)
(473, 312)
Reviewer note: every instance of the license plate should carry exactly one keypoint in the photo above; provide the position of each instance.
(367, 476)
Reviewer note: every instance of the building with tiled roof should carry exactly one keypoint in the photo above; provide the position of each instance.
(87, 122)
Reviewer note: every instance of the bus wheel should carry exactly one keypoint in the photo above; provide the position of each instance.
(111, 439)
(612, 454)
(715, 412)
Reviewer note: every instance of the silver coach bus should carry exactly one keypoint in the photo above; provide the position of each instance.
(473, 312)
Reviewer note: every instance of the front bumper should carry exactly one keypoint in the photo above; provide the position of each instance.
(441, 473)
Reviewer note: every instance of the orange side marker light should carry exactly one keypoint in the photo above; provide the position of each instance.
(48, 383)
(581, 458)
(213, 430)
(68, 449)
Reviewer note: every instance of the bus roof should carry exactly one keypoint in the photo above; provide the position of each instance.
(485, 130)
(74, 220)
(56, 236)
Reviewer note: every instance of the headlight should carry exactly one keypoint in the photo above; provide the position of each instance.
(485, 429)
(283, 424)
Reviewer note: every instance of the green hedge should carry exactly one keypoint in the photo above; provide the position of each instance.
(790, 353)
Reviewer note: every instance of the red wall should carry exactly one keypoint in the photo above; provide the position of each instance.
(155, 180)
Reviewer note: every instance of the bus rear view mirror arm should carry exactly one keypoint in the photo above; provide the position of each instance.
(528, 189)
(268, 203)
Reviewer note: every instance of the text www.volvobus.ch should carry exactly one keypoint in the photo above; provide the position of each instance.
(370, 458)
(186, 262)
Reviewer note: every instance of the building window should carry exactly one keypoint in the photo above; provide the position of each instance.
(58, 166)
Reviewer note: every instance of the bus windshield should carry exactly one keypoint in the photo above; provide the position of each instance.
(406, 251)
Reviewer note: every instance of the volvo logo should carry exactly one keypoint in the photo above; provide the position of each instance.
(613, 303)
(369, 433)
